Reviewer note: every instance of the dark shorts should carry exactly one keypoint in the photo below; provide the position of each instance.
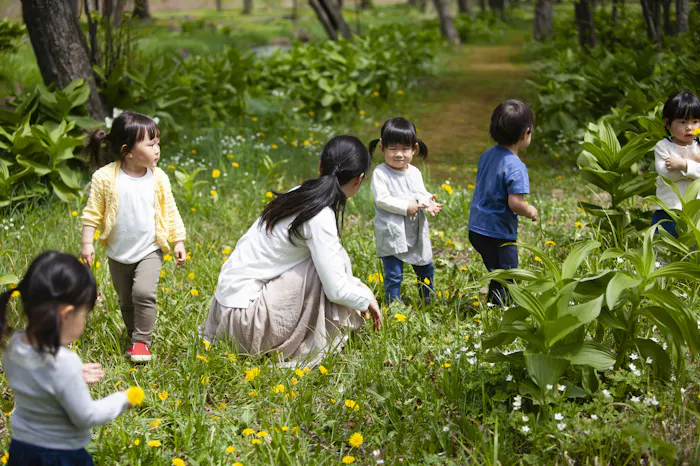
(25, 454)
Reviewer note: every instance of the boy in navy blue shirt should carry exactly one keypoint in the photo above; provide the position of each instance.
(501, 183)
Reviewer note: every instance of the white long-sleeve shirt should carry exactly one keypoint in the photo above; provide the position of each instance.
(259, 257)
(398, 234)
(53, 405)
(664, 150)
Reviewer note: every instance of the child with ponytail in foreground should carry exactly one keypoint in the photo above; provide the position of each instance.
(54, 411)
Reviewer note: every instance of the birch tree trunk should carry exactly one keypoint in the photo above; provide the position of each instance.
(681, 16)
(543, 20)
(447, 26)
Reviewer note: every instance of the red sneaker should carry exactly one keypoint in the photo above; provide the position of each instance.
(129, 351)
(140, 353)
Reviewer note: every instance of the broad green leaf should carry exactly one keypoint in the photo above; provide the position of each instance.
(620, 282)
(8, 279)
(650, 349)
(681, 270)
(588, 353)
(545, 369)
(577, 255)
(551, 266)
(527, 301)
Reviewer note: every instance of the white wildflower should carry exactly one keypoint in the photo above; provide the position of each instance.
(561, 426)
(509, 378)
(525, 429)
(559, 417)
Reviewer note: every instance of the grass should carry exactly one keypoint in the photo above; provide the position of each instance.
(424, 392)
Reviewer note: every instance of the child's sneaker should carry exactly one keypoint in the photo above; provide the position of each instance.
(140, 353)
(129, 351)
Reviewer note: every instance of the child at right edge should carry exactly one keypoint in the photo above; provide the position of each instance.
(499, 195)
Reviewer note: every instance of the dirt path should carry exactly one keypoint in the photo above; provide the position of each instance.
(453, 119)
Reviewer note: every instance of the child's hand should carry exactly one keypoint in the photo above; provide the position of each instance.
(695, 158)
(533, 214)
(414, 207)
(375, 313)
(180, 253)
(88, 254)
(676, 163)
(434, 208)
(92, 373)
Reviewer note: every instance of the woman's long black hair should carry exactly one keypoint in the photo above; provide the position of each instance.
(53, 279)
(400, 131)
(343, 159)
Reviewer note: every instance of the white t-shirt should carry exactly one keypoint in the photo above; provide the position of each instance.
(664, 150)
(134, 234)
(259, 257)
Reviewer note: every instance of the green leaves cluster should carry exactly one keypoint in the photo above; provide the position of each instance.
(574, 325)
(331, 75)
(39, 140)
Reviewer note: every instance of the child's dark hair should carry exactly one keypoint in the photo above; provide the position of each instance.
(53, 279)
(682, 105)
(343, 159)
(128, 129)
(399, 131)
(509, 121)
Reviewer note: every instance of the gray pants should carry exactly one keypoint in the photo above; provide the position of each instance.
(136, 285)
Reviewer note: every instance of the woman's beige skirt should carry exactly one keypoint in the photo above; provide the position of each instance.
(292, 317)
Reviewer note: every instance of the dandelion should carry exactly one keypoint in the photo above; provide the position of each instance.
(154, 443)
(355, 439)
(399, 92)
(213, 193)
(253, 393)
(375, 93)
(235, 164)
(230, 449)
(167, 257)
(352, 405)
(399, 317)
(190, 275)
(447, 365)
(362, 112)
(222, 405)
(194, 292)
(538, 259)
(550, 243)
(323, 370)
(251, 374)
(470, 187)
(14, 293)
(278, 388)
(178, 462)
(135, 395)
(163, 395)
(204, 379)
(194, 151)
(579, 225)
(256, 441)
(448, 189)
(74, 213)
(172, 167)
(299, 372)
(262, 434)
(348, 459)
(154, 423)
(137, 442)
(426, 280)
(215, 173)
(269, 194)
(237, 463)
(247, 432)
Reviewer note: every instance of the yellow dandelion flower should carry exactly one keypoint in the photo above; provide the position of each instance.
(203, 358)
(253, 393)
(311, 113)
(154, 443)
(299, 372)
(475, 303)
(254, 118)
(306, 370)
(375, 93)
(248, 432)
(190, 275)
(137, 442)
(426, 280)
(230, 449)
(470, 186)
(167, 257)
(355, 439)
(579, 225)
(278, 388)
(550, 243)
(446, 365)
(204, 379)
(256, 441)
(399, 92)
(74, 213)
(172, 167)
(194, 292)
(213, 193)
(215, 173)
(237, 463)
(226, 251)
(163, 395)
(453, 169)
(448, 189)
(538, 259)
(399, 317)
(5, 458)
(362, 112)
(178, 462)
(135, 395)
(154, 423)
(235, 164)
(323, 370)
(348, 459)
(97, 234)
(251, 374)
(284, 428)
(295, 381)
(269, 194)
(178, 402)
(215, 418)
(14, 293)
(194, 151)
(262, 434)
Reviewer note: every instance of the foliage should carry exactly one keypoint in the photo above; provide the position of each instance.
(486, 27)
(331, 75)
(10, 33)
(39, 138)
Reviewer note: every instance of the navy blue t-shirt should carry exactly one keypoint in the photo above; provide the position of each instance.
(499, 174)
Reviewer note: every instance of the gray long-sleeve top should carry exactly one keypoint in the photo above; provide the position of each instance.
(53, 405)
(398, 234)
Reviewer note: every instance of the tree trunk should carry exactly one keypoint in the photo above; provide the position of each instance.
(75, 7)
(108, 9)
(219, 7)
(247, 7)
(60, 48)
(447, 27)
(482, 5)
(118, 12)
(681, 17)
(366, 4)
(465, 7)
(583, 12)
(141, 10)
(651, 17)
(295, 10)
(498, 6)
(543, 20)
(324, 19)
(668, 26)
(613, 15)
(331, 17)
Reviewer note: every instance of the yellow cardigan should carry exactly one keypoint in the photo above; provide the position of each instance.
(103, 205)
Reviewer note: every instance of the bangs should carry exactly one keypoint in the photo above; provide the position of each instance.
(399, 131)
(146, 126)
(682, 106)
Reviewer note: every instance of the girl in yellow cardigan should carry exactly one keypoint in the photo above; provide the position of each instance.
(132, 200)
